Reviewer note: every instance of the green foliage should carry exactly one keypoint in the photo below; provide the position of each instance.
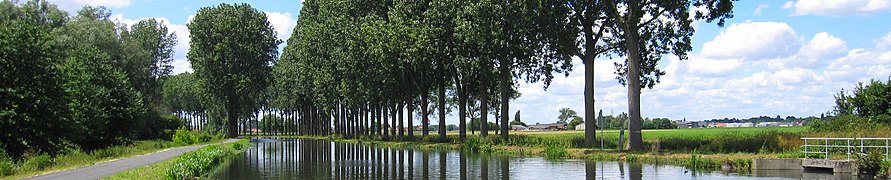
(885, 168)
(554, 152)
(870, 163)
(33, 111)
(272, 123)
(184, 137)
(866, 108)
(566, 114)
(575, 122)
(658, 123)
(36, 163)
(105, 106)
(198, 163)
(232, 65)
(7, 165)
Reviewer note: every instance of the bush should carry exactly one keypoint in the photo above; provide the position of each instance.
(184, 137)
(200, 162)
(885, 168)
(554, 152)
(36, 163)
(7, 165)
(870, 162)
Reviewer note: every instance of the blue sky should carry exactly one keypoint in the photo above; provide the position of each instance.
(773, 58)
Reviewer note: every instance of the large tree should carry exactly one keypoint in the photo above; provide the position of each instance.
(231, 50)
(149, 52)
(649, 29)
(33, 111)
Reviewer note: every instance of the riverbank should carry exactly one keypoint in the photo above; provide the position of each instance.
(192, 164)
(738, 162)
(44, 164)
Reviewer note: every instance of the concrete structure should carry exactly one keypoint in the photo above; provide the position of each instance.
(580, 127)
(777, 164)
(837, 166)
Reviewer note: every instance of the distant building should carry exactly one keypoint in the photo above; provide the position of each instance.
(739, 125)
(681, 124)
(519, 128)
(580, 127)
(548, 127)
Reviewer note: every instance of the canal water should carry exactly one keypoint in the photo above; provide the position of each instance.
(314, 159)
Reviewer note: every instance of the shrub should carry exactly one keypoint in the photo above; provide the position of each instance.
(7, 167)
(6, 164)
(870, 162)
(554, 152)
(200, 162)
(36, 163)
(885, 168)
(184, 137)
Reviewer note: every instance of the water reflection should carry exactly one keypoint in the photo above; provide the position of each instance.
(312, 159)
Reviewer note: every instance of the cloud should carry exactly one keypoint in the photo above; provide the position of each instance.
(838, 7)
(717, 87)
(760, 8)
(283, 23)
(753, 41)
(884, 42)
(72, 6)
(821, 48)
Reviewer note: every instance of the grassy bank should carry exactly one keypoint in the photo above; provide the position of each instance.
(43, 164)
(729, 148)
(74, 158)
(188, 166)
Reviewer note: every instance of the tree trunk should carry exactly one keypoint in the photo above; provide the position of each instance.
(425, 111)
(232, 116)
(632, 44)
(401, 119)
(393, 115)
(484, 105)
(462, 114)
(442, 115)
(588, 59)
(411, 127)
(504, 89)
(384, 119)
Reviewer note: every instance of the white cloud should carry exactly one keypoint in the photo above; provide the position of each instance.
(822, 48)
(753, 41)
(884, 42)
(839, 7)
(711, 87)
(72, 6)
(283, 23)
(760, 8)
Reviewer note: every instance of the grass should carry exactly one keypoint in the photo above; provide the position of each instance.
(43, 164)
(188, 166)
(715, 147)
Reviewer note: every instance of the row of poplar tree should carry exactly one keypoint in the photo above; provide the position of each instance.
(351, 68)
(354, 68)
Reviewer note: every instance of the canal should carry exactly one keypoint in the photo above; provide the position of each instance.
(315, 159)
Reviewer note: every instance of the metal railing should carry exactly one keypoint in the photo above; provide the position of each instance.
(824, 145)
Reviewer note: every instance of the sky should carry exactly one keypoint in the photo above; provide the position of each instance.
(785, 58)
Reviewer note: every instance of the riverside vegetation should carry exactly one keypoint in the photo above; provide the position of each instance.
(188, 166)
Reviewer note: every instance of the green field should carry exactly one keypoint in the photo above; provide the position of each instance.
(708, 140)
